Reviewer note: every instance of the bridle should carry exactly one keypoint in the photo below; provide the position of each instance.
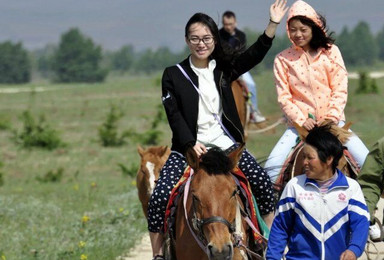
(198, 224)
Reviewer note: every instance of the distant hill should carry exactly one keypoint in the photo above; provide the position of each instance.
(154, 23)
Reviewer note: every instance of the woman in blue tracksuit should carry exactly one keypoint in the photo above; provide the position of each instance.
(321, 214)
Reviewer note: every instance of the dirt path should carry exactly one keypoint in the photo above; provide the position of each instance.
(352, 75)
(143, 250)
(28, 89)
(373, 74)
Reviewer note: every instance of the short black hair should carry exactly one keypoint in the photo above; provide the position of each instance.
(326, 144)
(229, 14)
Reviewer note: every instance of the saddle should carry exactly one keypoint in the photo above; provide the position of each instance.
(289, 169)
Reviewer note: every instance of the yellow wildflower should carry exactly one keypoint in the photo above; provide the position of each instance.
(85, 219)
(121, 209)
(83, 257)
(133, 183)
(82, 244)
(3, 257)
(93, 184)
(76, 187)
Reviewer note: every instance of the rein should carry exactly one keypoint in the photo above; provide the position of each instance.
(234, 229)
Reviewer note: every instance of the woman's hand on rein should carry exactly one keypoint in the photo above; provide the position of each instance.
(200, 149)
(309, 124)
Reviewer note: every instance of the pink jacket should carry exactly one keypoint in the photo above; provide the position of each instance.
(318, 86)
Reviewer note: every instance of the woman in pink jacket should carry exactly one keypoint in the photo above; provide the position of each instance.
(311, 83)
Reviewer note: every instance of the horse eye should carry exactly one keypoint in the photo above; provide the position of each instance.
(235, 192)
(195, 197)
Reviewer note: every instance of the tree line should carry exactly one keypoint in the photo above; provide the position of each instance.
(78, 59)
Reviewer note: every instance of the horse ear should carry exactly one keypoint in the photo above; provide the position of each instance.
(192, 158)
(342, 133)
(235, 155)
(301, 130)
(140, 150)
(164, 150)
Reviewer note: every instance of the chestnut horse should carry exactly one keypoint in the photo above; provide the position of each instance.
(240, 94)
(152, 160)
(209, 224)
(293, 166)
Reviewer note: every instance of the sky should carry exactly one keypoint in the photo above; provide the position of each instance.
(155, 23)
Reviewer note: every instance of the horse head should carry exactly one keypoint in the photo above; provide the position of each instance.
(341, 133)
(213, 200)
(152, 160)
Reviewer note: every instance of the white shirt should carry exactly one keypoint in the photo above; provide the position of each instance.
(209, 130)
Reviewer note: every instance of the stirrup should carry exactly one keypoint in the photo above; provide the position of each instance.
(158, 257)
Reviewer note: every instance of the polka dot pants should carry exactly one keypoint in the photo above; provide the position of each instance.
(173, 170)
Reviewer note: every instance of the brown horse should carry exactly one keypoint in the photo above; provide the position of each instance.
(209, 221)
(293, 166)
(152, 160)
(240, 94)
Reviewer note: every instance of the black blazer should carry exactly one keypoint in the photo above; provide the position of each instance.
(180, 98)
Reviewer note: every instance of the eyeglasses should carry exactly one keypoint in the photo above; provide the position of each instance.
(205, 40)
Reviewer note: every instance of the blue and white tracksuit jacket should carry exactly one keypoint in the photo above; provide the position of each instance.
(319, 226)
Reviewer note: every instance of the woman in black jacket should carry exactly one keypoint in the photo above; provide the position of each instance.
(201, 111)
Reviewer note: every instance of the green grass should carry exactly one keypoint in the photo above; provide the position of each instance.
(44, 220)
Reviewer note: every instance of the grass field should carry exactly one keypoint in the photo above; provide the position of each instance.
(93, 212)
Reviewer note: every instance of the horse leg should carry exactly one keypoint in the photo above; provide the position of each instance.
(142, 191)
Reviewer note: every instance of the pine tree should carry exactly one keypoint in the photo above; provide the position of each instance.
(15, 66)
(77, 59)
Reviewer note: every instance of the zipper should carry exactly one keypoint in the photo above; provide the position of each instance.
(323, 209)
(324, 202)
(221, 101)
(310, 83)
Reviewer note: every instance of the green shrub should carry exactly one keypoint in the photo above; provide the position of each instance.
(150, 137)
(374, 87)
(128, 171)
(37, 134)
(5, 123)
(52, 176)
(363, 83)
(153, 135)
(108, 132)
(366, 84)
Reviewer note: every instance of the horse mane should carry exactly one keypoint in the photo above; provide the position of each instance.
(215, 161)
(341, 133)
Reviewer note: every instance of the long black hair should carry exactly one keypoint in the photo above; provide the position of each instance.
(223, 57)
(320, 36)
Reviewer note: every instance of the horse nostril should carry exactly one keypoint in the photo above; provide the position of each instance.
(225, 253)
(230, 252)
(210, 247)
